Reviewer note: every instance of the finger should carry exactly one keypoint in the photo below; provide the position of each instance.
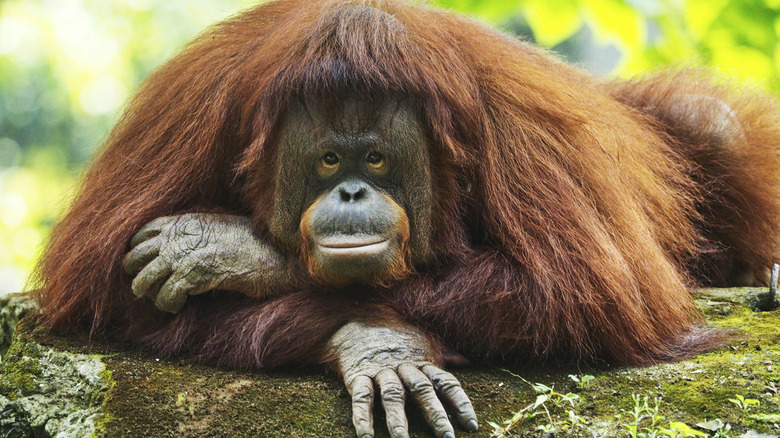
(141, 255)
(422, 390)
(448, 387)
(150, 230)
(200, 272)
(393, 394)
(362, 391)
(150, 278)
(173, 294)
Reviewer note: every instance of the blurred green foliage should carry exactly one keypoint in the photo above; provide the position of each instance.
(737, 37)
(67, 66)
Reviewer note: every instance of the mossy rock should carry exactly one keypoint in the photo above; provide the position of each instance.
(63, 386)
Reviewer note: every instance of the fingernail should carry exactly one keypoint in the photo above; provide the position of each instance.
(448, 435)
(366, 436)
(472, 425)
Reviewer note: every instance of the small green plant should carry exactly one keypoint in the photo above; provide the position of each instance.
(744, 403)
(642, 413)
(554, 412)
(638, 414)
(574, 422)
(724, 432)
(546, 396)
(546, 428)
(583, 381)
(678, 429)
(718, 427)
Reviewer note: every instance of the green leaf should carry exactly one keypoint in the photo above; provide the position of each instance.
(540, 400)
(712, 425)
(573, 399)
(685, 430)
(539, 387)
(587, 378)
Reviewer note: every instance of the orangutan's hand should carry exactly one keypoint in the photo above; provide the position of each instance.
(176, 256)
(397, 361)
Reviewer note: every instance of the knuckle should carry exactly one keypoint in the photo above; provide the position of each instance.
(362, 396)
(464, 407)
(393, 392)
(190, 267)
(180, 224)
(440, 421)
(170, 257)
(170, 302)
(361, 418)
(166, 298)
(421, 386)
(443, 379)
(449, 385)
(212, 259)
(181, 287)
(137, 291)
(201, 272)
(196, 241)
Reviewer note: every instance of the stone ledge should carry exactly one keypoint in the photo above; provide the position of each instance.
(61, 386)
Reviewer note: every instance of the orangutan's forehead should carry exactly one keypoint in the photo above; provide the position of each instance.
(355, 115)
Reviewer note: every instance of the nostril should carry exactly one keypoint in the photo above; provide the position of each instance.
(352, 192)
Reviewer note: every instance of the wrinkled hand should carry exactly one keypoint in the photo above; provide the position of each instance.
(396, 360)
(176, 256)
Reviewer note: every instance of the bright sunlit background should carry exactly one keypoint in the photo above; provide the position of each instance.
(67, 67)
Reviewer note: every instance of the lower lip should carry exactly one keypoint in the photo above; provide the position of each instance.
(354, 251)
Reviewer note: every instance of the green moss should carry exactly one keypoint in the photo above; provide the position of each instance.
(107, 375)
(175, 398)
(20, 370)
(152, 396)
(765, 418)
(691, 391)
(105, 418)
(100, 425)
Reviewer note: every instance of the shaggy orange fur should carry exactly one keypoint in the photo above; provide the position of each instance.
(572, 216)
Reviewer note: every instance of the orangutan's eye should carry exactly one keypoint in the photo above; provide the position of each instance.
(376, 162)
(328, 164)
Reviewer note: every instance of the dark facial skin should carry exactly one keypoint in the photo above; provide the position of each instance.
(356, 234)
(363, 165)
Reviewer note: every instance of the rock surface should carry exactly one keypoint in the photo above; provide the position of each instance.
(63, 386)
